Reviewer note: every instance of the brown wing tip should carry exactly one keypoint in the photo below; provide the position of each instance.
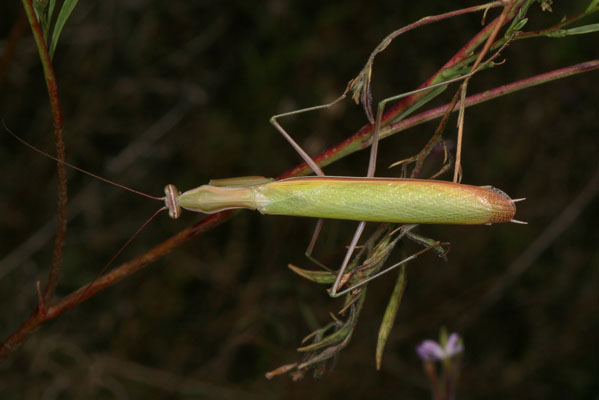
(504, 207)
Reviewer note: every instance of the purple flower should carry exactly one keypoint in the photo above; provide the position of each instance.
(429, 350)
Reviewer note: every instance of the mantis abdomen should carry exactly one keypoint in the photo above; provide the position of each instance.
(360, 199)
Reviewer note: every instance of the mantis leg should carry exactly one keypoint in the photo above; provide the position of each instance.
(400, 263)
(371, 169)
(305, 156)
(307, 159)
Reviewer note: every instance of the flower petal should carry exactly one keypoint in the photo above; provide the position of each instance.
(430, 350)
(453, 346)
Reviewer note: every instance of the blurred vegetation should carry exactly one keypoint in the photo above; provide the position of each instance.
(181, 92)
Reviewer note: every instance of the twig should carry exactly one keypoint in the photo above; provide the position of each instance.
(57, 123)
(508, 10)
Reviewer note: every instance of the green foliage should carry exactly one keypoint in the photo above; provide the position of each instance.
(65, 12)
(44, 11)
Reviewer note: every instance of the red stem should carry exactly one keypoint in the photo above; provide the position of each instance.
(57, 123)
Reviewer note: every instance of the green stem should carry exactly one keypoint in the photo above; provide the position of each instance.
(57, 123)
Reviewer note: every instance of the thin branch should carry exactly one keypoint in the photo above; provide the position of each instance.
(508, 11)
(57, 123)
(557, 27)
(486, 96)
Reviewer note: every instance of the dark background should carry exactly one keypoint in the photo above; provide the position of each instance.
(181, 92)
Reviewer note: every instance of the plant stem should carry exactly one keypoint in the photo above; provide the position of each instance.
(57, 123)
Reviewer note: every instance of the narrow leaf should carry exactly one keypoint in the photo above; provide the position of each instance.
(335, 337)
(428, 97)
(63, 15)
(441, 248)
(315, 276)
(390, 313)
(40, 9)
(51, 6)
(580, 30)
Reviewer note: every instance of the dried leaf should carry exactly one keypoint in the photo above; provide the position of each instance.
(281, 370)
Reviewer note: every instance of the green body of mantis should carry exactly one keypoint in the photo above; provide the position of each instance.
(411, 201)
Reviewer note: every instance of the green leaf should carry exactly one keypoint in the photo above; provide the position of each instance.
(594, 6)
(441, 249)
(315, 276)
(516, 28)
(342, 333)
(63, 15)
(40, 8)
(51, 6)
(390, 314)
(428, 97)
(580, 30)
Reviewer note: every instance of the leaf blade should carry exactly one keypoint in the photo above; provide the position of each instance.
(63, 15)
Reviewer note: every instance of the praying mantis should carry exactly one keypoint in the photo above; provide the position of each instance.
(363, 199)
(245, 185)
(354, 198)
(368, 199)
